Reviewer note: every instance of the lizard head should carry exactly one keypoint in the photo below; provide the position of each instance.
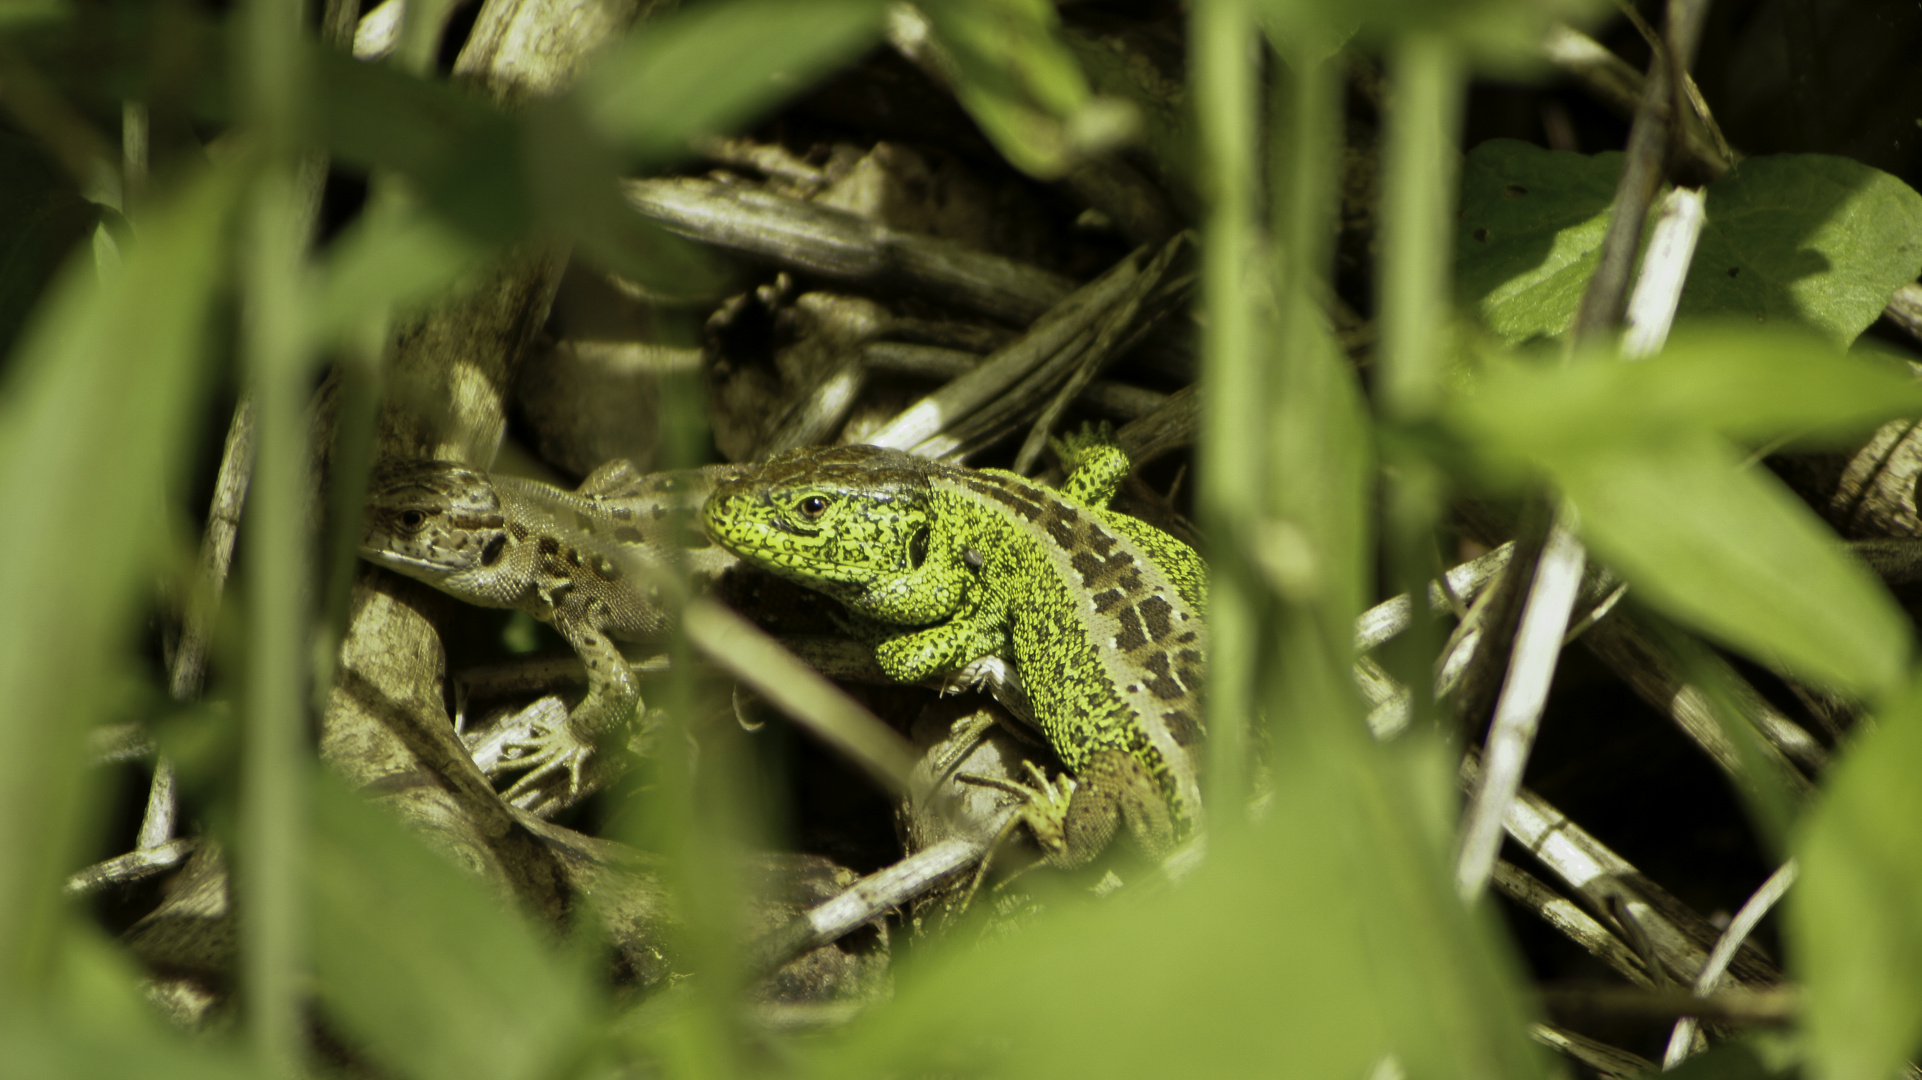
(839, 520)
(432, 519)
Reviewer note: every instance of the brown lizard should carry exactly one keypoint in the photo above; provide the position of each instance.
(591, 562)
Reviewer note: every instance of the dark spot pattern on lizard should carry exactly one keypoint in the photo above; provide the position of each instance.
(511, 543)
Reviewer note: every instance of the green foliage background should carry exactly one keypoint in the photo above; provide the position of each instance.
(1319, 940)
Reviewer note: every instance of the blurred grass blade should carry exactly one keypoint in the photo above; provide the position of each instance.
(1018, 79)
(1735, 554)
(1640, 450)
(461, 155)
(55, 1052)
(1331, 942)
(94, 416)
(393, 255)
(44, 218)
(1737, 382)
(426, 971)
(1233, 345)
(1852, 920)
(716, 66)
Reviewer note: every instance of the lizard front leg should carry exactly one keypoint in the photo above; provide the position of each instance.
(612, 698)
(1073, 819)
(917, 655)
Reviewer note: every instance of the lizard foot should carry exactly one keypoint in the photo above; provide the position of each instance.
(544, 752)
(1043, 806)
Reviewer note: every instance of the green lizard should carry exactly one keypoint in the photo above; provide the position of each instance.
(590, 562)
(1100, 613)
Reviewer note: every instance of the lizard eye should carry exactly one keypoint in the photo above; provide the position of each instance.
(412, 519)
(813, 507)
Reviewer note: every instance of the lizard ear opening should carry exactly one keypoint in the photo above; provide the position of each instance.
(918, 549)
(491, 554)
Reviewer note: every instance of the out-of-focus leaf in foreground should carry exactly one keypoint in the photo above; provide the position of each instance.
(1502, 33)
(1314, 945)
(433, 976)
(1024, 86)
(1735, 554)
(1641, 450)
(42, 216)
(716, 66)
(1854, 937)
(496, 179)
(103, 391)
(55, 1052)
(1809, 238)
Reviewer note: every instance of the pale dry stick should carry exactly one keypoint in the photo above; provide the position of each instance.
(1116, 332)
(1679, 938)
(1652, 671)
(188, 672)
(1518, 713)
(840, 246)
(1575, 924)
(1619, 85)
(1551, 598)
(1117, 399)
(379, 31)
(1121, 325)
(1391, 617)
(922, 423)
(1388, 699)
(1681, 1042)
(1647, 157)
(137, 865)
(868, 899)
(1671, 248)
(1607, 1061)
(1905, 309)
(1635, 657)
(1601, 878)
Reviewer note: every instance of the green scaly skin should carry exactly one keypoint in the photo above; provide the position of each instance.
(1100, 613)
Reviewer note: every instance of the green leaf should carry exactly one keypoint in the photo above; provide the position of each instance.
(714, 67)
(55, 1051)
(497, 179)
(1809, 238)
(1532, 223)
(1500, 32)
(103, 393)
(1804, 238)
(391, 255)
(1735, 554)
(42, 217)
(1315, 945)
(1854, 920)
(1640, 449)
(423, 967)
(1741, 383)
(1024, 86)
(461, 155)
